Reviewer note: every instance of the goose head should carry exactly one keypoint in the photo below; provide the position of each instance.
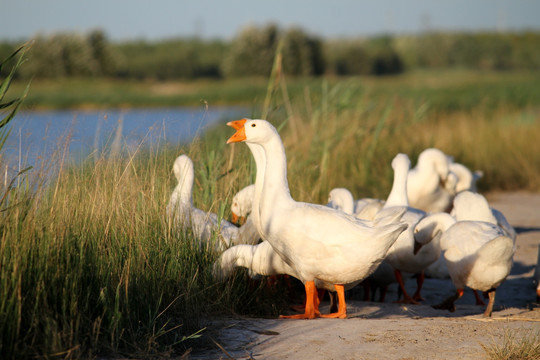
(242, 203)
(341, 199)
(182, 167)
(251, 131)
(401, 162)
(398, 194)
(431, 228)
(436, 160)
(181, 197)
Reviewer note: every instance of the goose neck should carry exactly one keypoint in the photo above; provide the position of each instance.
(276, 187)
(398, 194)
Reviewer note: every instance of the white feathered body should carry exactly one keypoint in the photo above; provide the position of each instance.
(205, 226)
(318, 242)
(338, 251)
(478, 254)
(426, 187)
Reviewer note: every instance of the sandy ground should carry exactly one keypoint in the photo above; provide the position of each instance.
(388, 330)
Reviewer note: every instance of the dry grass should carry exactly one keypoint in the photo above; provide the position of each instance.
(522, 345)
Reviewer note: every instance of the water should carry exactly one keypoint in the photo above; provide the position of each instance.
(38, 135)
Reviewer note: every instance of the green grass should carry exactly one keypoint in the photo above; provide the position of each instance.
(90, 266)
(450, 90)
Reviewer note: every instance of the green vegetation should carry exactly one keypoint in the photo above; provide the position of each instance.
(89, 264)
(9, 109)
(251, 53)
(441, 91)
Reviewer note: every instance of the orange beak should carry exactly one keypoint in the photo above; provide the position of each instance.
(237, 220)
(234, 218)
(237, 124)
(240, 134)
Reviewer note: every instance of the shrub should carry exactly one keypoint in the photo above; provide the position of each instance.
(302, 54)
(252, 52)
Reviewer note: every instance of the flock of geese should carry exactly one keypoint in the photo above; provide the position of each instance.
(433, 222)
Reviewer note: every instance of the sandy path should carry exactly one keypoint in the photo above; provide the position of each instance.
(393, 331)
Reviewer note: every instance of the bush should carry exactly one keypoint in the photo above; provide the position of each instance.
(302, 54)
(171, 59)
(483, 51)
(375, 56)
(252, 52)
(354, 60)
(70, 55)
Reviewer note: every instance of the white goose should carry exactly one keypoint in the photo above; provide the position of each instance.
(427, 186)
(242, 203)
(478, 252)
(466, 179)
(366, 208)
(417, 247)
(476, 211)
(181, 210)
(317, 242)
(460, 179)
(260, 259)
(439, 269)
(342, 199)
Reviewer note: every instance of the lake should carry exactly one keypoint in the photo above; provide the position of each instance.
(38, 134)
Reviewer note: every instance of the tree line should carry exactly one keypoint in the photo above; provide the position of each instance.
(252, 51)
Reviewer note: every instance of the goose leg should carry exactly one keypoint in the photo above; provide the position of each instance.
(342, 308)
(479, 301)
(407, 299)
(312, 306)
(419, 283)
(320, 296)
(489, 308)
(382, 292)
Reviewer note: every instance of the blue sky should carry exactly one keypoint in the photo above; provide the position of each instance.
(157, 19)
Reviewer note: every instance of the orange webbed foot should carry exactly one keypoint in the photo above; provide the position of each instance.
(311, 310)
(299, 316)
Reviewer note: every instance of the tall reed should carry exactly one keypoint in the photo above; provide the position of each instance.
(91, 265)
(349, 139)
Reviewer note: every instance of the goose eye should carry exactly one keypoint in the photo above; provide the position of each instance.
(253, 125)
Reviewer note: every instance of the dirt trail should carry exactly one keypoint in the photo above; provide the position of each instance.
(393, 331)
